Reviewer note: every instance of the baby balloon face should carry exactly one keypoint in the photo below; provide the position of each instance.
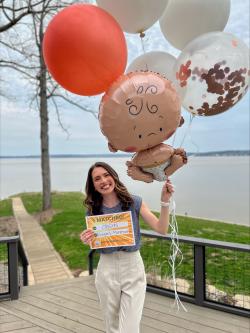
(139, 111)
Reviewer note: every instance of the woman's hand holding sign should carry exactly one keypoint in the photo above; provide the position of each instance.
(87, 236)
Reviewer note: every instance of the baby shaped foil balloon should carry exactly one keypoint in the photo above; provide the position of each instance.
(212, 73)
(138, 112)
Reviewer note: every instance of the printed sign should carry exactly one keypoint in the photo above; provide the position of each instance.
(112, 230)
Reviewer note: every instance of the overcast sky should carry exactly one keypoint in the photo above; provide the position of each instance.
(20, 133)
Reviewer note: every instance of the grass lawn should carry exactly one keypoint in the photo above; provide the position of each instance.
(5, 208)
(224, 268)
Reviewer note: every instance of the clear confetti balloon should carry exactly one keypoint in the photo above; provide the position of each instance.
(212, 73)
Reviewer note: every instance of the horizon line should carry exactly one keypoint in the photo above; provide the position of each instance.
(122, 154)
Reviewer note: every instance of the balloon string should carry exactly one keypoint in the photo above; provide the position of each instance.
(173, 142)
(188, 129)
(142, 35)
(196, 146)
(175, 253)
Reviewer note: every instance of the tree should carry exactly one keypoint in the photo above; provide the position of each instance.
(13, 11)
(24, 46)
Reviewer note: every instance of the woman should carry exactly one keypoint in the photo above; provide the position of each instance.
(120, 277)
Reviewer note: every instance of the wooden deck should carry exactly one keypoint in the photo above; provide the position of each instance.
(72, 306)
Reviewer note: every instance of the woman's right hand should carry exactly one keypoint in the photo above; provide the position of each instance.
(87, 236)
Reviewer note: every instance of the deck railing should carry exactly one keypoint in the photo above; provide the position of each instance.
(202, 260)
(13, 267)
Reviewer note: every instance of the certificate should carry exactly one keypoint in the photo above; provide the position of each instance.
(111, 230)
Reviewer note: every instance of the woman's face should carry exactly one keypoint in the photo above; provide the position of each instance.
(103, 182)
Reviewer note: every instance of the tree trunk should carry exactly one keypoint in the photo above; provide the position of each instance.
(44, 123)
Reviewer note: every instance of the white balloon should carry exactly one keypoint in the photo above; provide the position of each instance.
(184, 20)
(155, 61)
(212, 73)
(134, 16)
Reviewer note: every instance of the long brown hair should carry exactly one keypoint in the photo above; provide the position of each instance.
(94, 199)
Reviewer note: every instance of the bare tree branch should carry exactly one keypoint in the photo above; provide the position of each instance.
(15, 13)
(19, 51)
(4, 63)
(29, 76)
(6, 14)
(35, 99)
(35, 30)
(59, 118)
(54, 88)
(77, 105)
(12, 22)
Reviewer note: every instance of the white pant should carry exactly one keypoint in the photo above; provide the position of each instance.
(121, 285)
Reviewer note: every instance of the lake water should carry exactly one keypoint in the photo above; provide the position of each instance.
(208, 187)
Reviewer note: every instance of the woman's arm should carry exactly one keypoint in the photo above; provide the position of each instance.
(159, 225)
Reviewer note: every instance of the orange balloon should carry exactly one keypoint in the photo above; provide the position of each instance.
(84, 49)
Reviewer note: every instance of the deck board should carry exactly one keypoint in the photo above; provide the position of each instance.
(72, 306)
(16, 325)
(33, 329)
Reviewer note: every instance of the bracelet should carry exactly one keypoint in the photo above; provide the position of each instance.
(165, 204)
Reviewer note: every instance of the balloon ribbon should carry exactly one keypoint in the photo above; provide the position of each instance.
(175, 253)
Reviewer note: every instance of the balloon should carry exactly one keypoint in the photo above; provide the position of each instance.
(212, 73)
(84, 49)
(185, 20)
(143, 100)
(134, 16)
(155, 61)
(137, 113)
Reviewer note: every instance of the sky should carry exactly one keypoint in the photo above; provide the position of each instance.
(20, 125)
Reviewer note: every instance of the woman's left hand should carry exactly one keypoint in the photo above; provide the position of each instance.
(167, 191)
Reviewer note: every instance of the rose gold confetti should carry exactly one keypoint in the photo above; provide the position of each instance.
(184, 73)
(224, 83)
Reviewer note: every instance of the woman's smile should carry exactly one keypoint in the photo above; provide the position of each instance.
(106, 187)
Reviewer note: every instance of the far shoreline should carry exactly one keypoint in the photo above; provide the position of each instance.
(119, 155)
